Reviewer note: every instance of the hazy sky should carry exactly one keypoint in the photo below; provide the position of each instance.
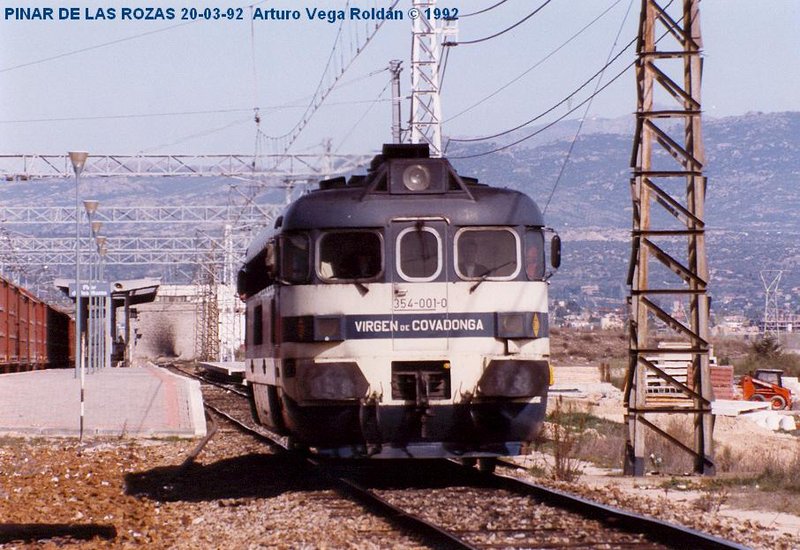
(191, 87)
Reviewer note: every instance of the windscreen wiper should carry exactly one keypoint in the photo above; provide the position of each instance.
(486, 275)
(362, 288)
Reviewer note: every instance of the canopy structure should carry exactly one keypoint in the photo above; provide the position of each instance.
(123, 293)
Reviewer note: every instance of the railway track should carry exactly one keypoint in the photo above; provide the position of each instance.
(446, 505)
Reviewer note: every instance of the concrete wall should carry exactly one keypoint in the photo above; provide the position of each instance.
(165, 331)
(168, 326)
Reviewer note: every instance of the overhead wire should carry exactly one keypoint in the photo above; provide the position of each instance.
(360, 78)
(119, 41)
(123, 116)
(315, 101)
(199, 134)
(105, 44)
(569, 112)
(535, 65)
(515, 25)
(443, 67)
(322, 92)
(94, 47)
(585, 113)
(551, 109)
(363, 116)
(549, 125)
(265, 138)
(484, 10)
(179, 113)
(331, 58)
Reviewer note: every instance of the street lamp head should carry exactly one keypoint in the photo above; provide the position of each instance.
(91, 206)
(100, 240)
(96, 226)
(78, 159)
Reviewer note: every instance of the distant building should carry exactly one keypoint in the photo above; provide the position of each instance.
(167, 329)
(611, 321)
(734, 325)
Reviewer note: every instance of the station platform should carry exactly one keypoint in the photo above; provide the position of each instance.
(232, 370)
(148, 402)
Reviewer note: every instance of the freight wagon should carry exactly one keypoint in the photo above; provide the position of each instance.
(33, 334)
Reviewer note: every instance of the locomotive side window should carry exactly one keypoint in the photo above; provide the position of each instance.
(258, 325)
(534, 254)
(295, 258)
(257, 274)
(487, 253)
(419, 254)
(349, 255)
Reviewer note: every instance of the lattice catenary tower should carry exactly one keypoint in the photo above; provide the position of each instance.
(668, 258)
(426, 106)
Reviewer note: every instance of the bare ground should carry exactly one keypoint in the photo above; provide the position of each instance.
(743, 450)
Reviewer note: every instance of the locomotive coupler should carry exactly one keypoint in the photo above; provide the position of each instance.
(423, 407)
(368, 418)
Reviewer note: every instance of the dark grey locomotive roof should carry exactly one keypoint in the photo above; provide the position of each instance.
(361, 202)
(352, 208)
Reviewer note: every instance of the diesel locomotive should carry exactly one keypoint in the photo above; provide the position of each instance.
(401, 313)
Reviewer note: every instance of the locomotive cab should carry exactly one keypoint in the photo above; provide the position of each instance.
(401, 313)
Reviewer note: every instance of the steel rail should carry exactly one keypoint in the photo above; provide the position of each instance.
(408, 523)
(657, 530)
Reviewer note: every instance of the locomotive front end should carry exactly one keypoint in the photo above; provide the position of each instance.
(401, 314)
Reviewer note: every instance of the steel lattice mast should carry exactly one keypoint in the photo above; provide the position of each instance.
(426, 106)
(668, 258)
(771, 278)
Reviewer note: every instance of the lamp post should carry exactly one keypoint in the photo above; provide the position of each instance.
(102, 328)
(96, 299)
(91, 206)
(78, 160)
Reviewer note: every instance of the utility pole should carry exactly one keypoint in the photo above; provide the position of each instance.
(668, 257)
(395, 69)
(426, 106)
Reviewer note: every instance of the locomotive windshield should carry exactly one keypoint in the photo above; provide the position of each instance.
(295, 258)
(419, 253)
(348, 255)
(490, 253)
(534, 254)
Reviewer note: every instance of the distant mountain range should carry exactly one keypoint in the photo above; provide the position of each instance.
(752, 205)
(752, 209)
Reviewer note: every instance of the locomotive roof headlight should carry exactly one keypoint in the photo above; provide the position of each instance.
(416, 177)
(423, 176)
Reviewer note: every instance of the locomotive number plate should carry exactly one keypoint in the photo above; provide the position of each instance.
(419, 304)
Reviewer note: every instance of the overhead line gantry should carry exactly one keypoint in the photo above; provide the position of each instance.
(294, 167)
